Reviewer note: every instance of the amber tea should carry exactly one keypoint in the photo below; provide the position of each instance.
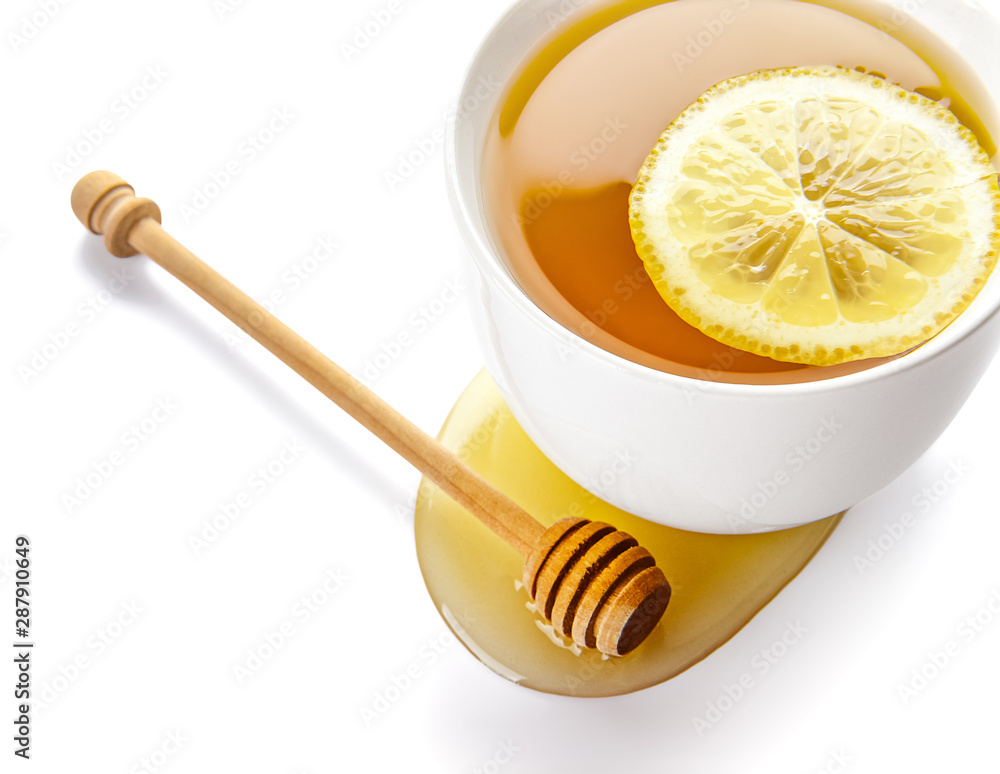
(577, 123)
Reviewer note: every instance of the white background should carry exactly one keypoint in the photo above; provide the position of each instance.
(121, 688)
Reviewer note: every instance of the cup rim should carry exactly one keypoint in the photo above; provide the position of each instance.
(471, 222)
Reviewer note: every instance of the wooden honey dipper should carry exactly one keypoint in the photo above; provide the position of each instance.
(593, 582)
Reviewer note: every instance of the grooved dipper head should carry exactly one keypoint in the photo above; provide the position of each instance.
(596, 585)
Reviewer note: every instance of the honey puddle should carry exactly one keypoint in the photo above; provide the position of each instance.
(719, 582)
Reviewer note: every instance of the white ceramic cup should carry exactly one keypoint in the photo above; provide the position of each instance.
(693, 454)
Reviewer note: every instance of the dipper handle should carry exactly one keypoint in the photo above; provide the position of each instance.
(107, 205)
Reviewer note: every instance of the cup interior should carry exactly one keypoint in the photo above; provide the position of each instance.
(521, 33)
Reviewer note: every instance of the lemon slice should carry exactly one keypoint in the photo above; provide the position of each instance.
(817, 215)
